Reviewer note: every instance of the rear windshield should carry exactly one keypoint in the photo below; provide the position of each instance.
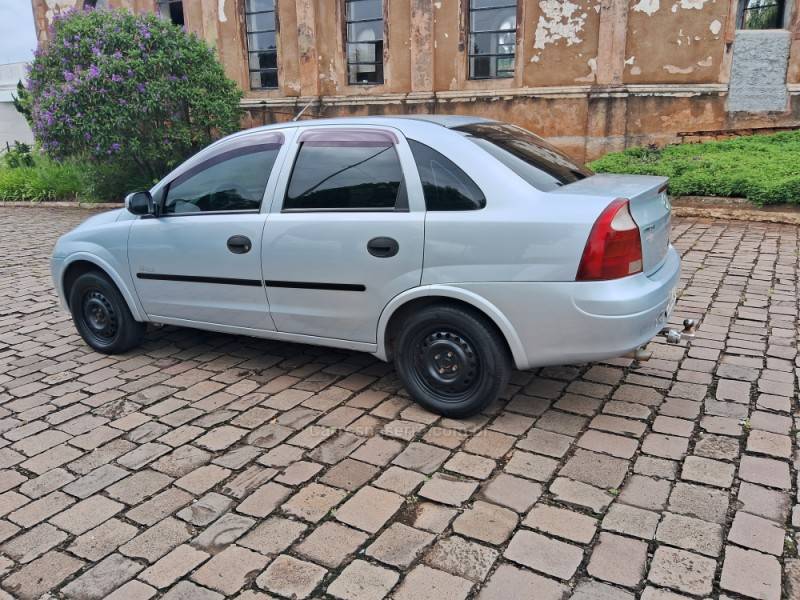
(529, 156)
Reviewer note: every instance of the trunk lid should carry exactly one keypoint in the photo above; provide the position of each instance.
(649, 206)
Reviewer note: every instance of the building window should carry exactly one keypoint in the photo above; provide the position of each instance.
(492, 38)
(172, 10)
(762, 14)
(364, 22)
(262, 53)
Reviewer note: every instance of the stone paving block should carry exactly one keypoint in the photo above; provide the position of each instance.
(447, 489)
(718, 447)
(186, 590)
(361, 580)
(432, 517)
(545, 442)
(580, 494)
(103, 539)
(421, 457)
(765, 471)
(462, 558)
(42, 575)
(273, 535)
(39, 510)
(331, 544)
(690, 534)
(531, 466)
(672, 447)
(618, 559)
(135, 488)
(470, 465)
(369, 509)
(682, 571)
(349, 474)
(751, 573)
(225, 530)
(156, 541)
(33, 543)
(708, 471)
(645, 492)
(264, 500)
(133, 590)
(561, 523)
(38, 486)
(771, 444)
(424, 583)
(202, 479)
(758, 500)
(230, 570)
(314, 501)
(514, 492)
(595, 469)
(756, 533)
(608, 443)
(399, 545)
(400, 481)
(86, 514)
(288, 576)
(103, 578)
(509, 581)
(205, 510)
(174, 565)
(159, 506)
(544, 554)
(595, 590)
(630, 520)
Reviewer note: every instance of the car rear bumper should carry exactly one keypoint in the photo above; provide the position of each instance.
(573, 322)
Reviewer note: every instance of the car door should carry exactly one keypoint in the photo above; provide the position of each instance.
(199, 260)
(345, 233)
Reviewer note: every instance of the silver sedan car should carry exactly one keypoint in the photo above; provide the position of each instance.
(457, 247)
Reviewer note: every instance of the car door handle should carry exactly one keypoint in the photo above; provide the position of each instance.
(239, 244)
(383, 247)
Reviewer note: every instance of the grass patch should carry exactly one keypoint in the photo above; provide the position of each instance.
(45, 180)
(765, 169)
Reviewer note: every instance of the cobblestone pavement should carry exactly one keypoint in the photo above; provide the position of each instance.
(203, 466)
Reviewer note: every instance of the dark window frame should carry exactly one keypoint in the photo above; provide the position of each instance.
(250, 53)
(779, 16)
(378, 63)
(211, 162)
(494, 57)
(169, 5)
(401, 200)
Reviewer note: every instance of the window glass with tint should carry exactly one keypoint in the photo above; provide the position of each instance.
(233, 180)
(529, 156)
(262, 48)
(761, 14)
(364, 24)
(446, 187)
(168, 9)
(492, 38)
(345, 176)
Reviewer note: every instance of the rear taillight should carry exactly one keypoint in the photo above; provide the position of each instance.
(614, 248)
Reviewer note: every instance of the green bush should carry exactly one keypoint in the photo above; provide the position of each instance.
(765, 169)
(123, 89)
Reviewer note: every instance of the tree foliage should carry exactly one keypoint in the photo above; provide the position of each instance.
(116, 87)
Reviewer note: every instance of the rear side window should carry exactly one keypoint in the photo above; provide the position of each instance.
(345, 175)
(230, 181)
(446, 187)
(529, 156)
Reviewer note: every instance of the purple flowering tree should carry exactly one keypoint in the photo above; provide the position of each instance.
(111, 86)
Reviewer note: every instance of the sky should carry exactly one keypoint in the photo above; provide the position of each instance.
(17, 33)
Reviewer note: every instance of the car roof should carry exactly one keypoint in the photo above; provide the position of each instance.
(401, 122)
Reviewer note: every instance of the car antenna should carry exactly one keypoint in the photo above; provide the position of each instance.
(302, 110)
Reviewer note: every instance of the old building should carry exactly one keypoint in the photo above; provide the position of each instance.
(591, 75)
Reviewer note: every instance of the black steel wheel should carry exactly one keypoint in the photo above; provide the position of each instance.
(101, 315)
(451, 360)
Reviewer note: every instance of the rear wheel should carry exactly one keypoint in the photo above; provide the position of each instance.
(101, 315)
(451, 361)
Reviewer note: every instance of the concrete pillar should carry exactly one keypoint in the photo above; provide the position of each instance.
(421, 45)
(611, 42)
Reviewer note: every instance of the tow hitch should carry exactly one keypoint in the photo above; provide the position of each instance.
(673, 336)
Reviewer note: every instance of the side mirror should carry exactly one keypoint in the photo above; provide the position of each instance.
(140, 203)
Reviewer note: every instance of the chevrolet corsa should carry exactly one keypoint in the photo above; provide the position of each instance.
(455, 246)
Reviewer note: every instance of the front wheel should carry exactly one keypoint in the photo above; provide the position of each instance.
(102, 316)
(451, 361)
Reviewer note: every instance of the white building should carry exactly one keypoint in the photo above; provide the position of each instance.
(13, 126)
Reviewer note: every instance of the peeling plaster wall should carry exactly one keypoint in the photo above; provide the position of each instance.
(561, 44)
(671, 41)
(758, 71)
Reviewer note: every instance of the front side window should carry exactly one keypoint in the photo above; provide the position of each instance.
(172, 10)
(364, 23)
(446, 187)
(348, 175)
(762, 14)
(492, 38)
(540, 164)
(262, 49)
(231, 181)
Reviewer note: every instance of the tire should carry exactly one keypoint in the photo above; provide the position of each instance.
(102, 316)
(452, 361)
